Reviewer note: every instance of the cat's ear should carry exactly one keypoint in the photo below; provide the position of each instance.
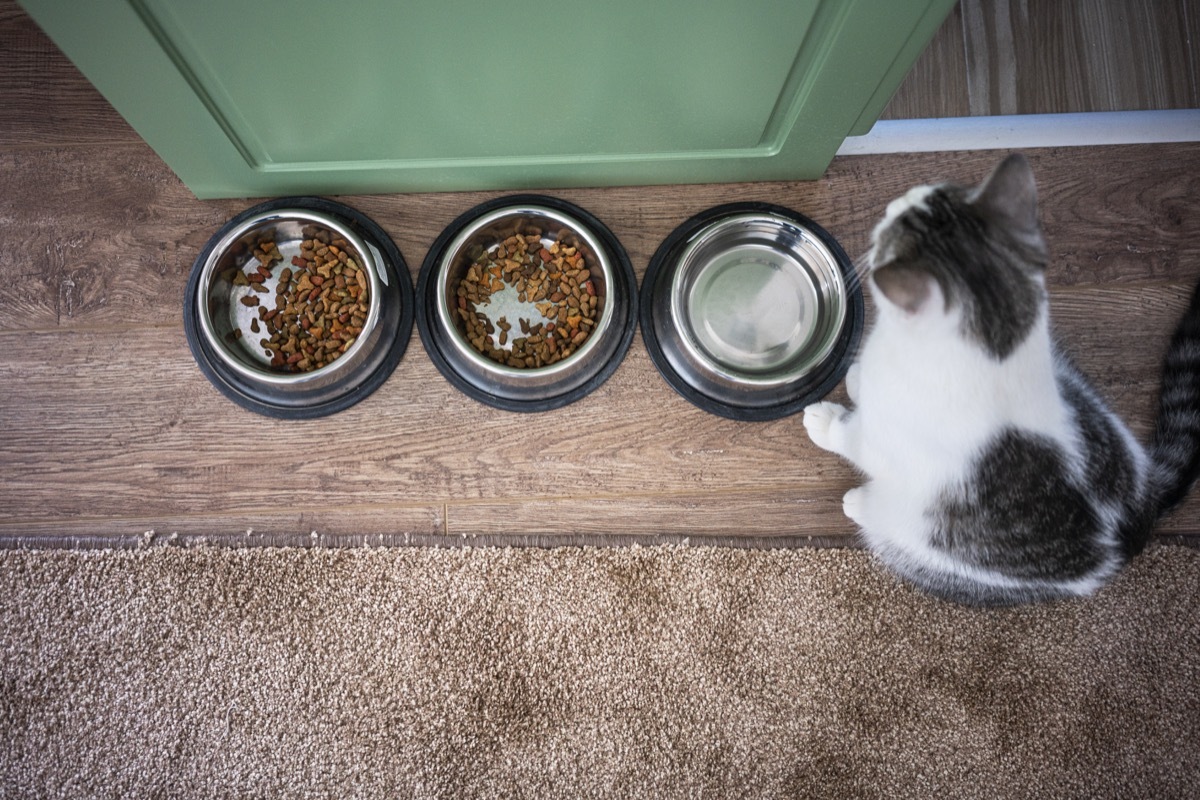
(1010, 193)
(905, 286)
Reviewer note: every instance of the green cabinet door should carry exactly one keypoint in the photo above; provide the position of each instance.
(268, 97)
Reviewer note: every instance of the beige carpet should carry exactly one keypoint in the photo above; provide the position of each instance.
(628, 673)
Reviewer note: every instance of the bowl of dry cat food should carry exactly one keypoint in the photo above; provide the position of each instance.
(526, 303)
(751, 311)
(298, 307)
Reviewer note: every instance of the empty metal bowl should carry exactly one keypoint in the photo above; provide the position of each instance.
(225, 328)
(542, 386)
(751, 311)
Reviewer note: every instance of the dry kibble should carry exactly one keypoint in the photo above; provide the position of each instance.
(321, 302)
(553, 279)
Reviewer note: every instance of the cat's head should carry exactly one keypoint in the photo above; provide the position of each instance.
(974, 255)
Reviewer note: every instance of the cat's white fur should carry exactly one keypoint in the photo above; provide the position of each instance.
(926, 401)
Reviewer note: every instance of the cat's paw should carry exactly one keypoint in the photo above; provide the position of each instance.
(853, 379)
(819, 421)
(853, 504)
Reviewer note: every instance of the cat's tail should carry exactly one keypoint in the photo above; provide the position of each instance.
(1175, 448)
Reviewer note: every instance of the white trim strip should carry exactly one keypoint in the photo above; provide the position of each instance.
(1025, 131)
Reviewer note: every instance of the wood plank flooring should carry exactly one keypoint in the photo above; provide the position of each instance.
(110, 433)
(1056, 56)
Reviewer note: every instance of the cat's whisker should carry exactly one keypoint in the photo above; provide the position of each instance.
(861, 269)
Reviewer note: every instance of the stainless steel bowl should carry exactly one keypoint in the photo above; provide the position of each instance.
(220, 325)
(530, 388)
(751, 311)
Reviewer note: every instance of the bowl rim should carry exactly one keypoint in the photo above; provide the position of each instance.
(694, 244)
(624, 282)
(261, 398)
(266, 376)
(445, 315)
(807, 388)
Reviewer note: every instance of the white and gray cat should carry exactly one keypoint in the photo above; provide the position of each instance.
(995, 474)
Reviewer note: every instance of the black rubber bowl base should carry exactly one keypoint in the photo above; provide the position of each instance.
(261, 400)
(815, 385)
(426, 300)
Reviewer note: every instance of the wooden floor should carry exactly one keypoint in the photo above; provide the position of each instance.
(110, 433)
(1054, 57)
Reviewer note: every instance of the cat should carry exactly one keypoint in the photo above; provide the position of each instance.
(995, 473)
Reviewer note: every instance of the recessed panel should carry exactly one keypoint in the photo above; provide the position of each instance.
(332, 82)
